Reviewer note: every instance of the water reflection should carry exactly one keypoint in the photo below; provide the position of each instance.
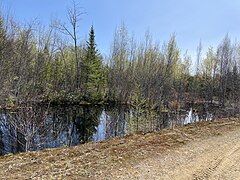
(40, 127)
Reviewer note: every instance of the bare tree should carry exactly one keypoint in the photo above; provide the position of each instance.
(209, 68)
(224, 55)
(28, 122)
(74, 16)
(195, 88)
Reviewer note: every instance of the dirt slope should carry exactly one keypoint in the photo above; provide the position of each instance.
(200, 151)
(216, 157)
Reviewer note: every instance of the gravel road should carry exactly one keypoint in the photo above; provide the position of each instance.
(216, 157)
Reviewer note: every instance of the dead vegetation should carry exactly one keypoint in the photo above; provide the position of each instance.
(99, 160)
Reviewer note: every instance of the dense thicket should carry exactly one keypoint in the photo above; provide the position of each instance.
(51, 65)
(160, 76)
(44, 65)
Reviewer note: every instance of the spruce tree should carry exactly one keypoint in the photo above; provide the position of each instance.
(92, 72)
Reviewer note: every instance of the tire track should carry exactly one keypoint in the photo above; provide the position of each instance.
(216, 166)
(206, 173)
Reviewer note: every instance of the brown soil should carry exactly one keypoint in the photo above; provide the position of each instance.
(208, 150)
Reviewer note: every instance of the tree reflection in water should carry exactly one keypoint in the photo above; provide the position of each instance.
(37, 128)
(28, 129)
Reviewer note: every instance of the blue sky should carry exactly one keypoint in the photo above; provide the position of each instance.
(190, 20)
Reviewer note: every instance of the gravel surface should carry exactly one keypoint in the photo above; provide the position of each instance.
(216, 157)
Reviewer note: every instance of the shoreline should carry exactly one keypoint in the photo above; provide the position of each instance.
(98, 159)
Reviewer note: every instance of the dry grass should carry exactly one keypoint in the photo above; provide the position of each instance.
(96, 160)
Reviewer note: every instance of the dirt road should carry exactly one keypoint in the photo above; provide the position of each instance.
(216, 157)
(208, 150)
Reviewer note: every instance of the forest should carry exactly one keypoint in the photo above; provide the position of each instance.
(51, 65)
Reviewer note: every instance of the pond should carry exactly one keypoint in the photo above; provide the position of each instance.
(38, 128)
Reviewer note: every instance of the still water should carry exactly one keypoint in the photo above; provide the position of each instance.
(30, 129)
